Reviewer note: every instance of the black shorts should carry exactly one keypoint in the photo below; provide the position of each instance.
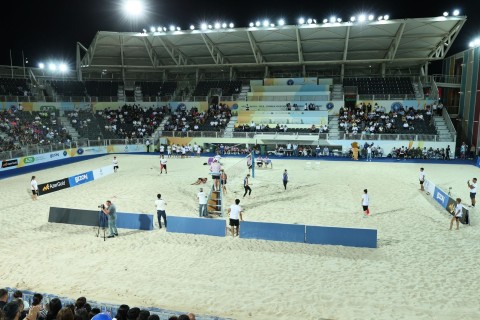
(164, 166)
(457, 218)
(34, 192)
(224, 182)
(472, 195)
(250, 167)
(234, 222)
(216, 177)
(365, 208)
(421, 182)
(115, 167)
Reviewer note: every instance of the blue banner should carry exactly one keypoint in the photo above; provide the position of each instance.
(441, 197)
(81, 178)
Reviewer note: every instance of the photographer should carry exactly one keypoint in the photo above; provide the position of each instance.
(473, 190)
(111, 211)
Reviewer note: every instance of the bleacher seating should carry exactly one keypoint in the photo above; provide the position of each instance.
(157, 88)
(85, 123)
(215, 119)
(380, 85)
(68, 88)
(131, 121)
(102, 88)
(29, 128)
(14, 87)
(228, 88)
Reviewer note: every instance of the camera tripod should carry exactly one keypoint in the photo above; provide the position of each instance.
(102, 224)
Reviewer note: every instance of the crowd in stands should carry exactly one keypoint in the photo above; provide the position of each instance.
(17, 307)
(419, 153)
(130, 121)
(306, 107)
(232, 149)
(368, 119)
(30, 128)
(260, 127)
(296, 150)
(215, 119)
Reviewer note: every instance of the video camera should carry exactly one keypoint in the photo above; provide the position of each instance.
(101, 206)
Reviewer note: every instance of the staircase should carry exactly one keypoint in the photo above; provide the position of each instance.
(337, 92)
(444, 134)
(214, 203)
(333, 131)
(121, 94)
(243, 93)
(158, 132)
(228, 133)
(138, 94)
(418, 89)
(71, 130)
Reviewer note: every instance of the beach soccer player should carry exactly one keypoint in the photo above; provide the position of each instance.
(115, 164)
(457, 214)
(246, 185)
(421, 178)
(285, 179)
(365, 201)
(473, 190)
(163, 164)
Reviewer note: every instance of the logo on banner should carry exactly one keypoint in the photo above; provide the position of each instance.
(441, 197)
(28, 160)
(53, 186)
(65, 153)
(80, 178)
(80, 151)
(54, 155)
(9, 163)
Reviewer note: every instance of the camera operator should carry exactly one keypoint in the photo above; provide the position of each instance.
(111, 211)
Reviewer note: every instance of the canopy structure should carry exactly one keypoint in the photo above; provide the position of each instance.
(383, 45)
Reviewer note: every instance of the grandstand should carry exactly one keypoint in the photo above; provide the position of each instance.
(250, 86)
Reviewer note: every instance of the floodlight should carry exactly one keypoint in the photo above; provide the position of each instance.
(333, 19)
(339, 20)
(352, 18)
(272, 25)
(266, 23)
(371, 17)
(192, 27)
(41, 65)
(144, 30)
(251, 25)
(63, 67)
(380, 18)
(203, 26)
(224, 25)
(456, 12)
(445, 14)
(133, 8)
(325, 20)
(386, 17)
(171, 28)
(210, 26)
(471, 45)
(231, 25)
(362, 18)
(281, 22)
(315, 21)
(257, 24)
(309, 21)
(159, 29)
(164, 29)
(217, 25)
(152, 29)
(301, 21)
(179, 29)
(52, 67)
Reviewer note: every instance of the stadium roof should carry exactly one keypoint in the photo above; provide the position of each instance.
(397, 43)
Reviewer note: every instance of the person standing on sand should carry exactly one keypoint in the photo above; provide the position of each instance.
(365, 201)
(421, 178)
(457, 214)
(115, 164)
(223, 180)
(246, 186)
(34, 187)
(473, 190)
(285, 179)
(235, 212)
(163, 164)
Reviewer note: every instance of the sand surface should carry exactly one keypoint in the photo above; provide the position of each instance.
(420, 270)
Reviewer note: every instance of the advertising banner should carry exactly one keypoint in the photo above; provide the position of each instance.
(80, 178)
(441, 197)
(429, 186)
(102, 172)
(53, 186)
(9, 163)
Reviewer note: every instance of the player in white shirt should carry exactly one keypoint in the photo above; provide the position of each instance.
(365, 201)
(162, 149)
(115, 164)
(473, 190)
(183, 150)
(235, 212)
(169, 151)
(160, 205)
(163, 164)
(421, 178)
(34, 187)
(457, 213)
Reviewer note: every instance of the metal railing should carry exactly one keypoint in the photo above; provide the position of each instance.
(391, 137)
(442, 78)
(290, 98)
(386, 97)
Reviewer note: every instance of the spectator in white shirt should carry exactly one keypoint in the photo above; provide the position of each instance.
(160, 204)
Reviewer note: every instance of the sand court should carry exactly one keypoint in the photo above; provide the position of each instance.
(420, 270)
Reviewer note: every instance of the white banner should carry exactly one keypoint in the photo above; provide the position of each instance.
(429, 186)
(102, 172)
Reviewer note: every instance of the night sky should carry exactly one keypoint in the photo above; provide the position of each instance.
(50, 29)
